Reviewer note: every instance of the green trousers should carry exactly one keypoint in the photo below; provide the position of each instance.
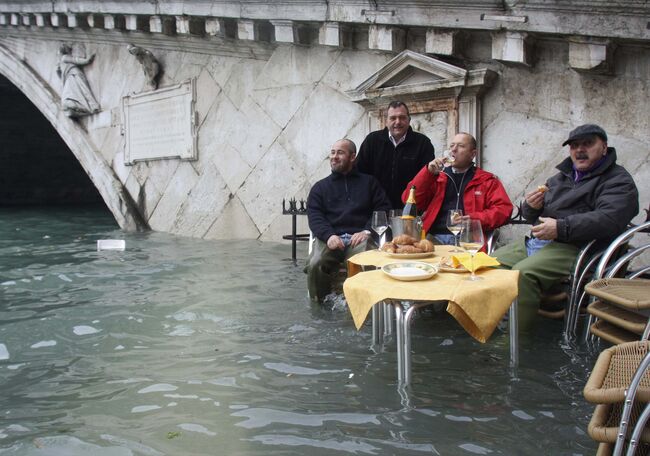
(537, 273)
(322, 263)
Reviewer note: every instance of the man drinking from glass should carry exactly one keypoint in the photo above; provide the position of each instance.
(454, 183)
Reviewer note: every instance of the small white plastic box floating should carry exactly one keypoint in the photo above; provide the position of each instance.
(111, 244)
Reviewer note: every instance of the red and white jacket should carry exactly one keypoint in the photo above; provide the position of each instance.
(485, 198)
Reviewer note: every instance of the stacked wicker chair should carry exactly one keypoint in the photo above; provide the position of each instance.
(620, 306)
(620, 386)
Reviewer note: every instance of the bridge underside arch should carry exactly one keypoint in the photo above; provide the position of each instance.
(102, 176)
(36, 166)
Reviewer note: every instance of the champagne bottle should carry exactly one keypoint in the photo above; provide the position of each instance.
(410, 209)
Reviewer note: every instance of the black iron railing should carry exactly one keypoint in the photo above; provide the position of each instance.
(296, 208)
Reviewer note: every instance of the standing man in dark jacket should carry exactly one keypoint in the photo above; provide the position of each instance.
(395, 154)
(590, 198)
(339, 209)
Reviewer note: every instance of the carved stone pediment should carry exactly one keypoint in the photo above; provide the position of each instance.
(408, 76)
(443, 99)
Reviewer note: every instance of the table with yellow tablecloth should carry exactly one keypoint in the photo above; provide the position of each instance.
(377, 258)
(477, 305)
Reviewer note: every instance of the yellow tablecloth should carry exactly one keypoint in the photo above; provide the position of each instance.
(378, 259)
(477, 305)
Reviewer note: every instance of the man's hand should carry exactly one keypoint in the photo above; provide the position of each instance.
(546, 230)
(435, 166)
(535, 199)
(335, 243)
(358, 238)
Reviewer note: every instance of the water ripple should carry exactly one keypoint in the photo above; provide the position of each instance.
(260, 417)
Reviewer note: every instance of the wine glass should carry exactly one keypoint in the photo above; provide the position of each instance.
(394, 213)
(379, 225)
(447, 158)
(471, 239)
(455, 224)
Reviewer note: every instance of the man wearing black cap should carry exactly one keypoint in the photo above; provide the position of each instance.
(590, 198)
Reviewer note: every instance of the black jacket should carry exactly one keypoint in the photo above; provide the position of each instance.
(599, 206)
(343, 203)
(394, 166)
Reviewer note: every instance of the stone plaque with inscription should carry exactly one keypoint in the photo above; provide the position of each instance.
(161, 124)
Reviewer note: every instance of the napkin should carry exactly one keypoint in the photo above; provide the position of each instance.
(481, 260)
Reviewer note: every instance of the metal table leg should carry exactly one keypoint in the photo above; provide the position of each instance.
(513, 326)
(404, 312)
(388, 319)
(399, 329)
(406, 346)
(378, 324)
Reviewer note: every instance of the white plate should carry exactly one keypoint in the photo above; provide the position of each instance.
(410, 255)
(410, 270)
(450, 269)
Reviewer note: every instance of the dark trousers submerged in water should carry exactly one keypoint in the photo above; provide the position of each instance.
(323, 263)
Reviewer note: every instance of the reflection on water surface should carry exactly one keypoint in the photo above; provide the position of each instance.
(179, 346)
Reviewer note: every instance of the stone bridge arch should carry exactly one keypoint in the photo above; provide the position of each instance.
(47, 101)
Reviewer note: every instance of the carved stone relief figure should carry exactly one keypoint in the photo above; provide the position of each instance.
(150, 65)
(76, 97)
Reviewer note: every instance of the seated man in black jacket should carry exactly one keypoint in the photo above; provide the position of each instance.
(591, 197)
(339, 209)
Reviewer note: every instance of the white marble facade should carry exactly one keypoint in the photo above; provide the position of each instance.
(267, 114)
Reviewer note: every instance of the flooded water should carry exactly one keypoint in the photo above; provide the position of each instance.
(179, 346)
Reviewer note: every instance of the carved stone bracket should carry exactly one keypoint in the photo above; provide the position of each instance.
(442, 98)
(591, 55)
(513, 48)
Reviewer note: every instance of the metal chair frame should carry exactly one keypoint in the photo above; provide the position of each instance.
(577, 279)
(627, 410)
(638, 429)
(620, 240)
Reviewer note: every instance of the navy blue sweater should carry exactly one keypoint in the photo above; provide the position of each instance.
(343, 203)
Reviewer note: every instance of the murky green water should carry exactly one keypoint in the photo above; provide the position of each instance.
(180, 346)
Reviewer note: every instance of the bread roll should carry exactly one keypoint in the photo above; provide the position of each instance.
(425, 245)
(408, 249)
(404, 239)
(389, 247)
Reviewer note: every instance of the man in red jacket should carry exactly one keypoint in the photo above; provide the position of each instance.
(459, 185)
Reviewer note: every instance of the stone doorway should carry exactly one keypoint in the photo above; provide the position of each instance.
(443, 99)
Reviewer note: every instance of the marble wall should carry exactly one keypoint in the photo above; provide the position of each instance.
(266, 121)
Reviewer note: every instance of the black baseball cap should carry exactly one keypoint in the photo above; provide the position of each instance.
(584, 131)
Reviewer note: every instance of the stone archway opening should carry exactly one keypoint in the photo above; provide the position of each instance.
(36, 165)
